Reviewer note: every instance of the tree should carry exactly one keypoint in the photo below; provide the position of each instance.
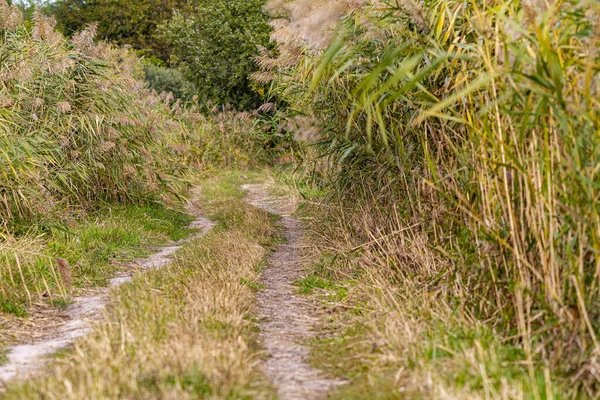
(215, 46)
(127, 22)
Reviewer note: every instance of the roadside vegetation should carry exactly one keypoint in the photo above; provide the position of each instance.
(185, 331)
(94, 247)
(458, 146)
(93, 165)
(214, 46)
(445, 154)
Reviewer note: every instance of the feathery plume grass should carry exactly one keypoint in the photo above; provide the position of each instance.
(478, 124)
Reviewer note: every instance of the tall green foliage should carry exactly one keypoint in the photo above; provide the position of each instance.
(127, 22)
(167, 80)
(215, 47)
(478, 125)
(75, 127)
(79, 132)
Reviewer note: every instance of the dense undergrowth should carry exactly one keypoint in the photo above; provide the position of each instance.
(460, 143)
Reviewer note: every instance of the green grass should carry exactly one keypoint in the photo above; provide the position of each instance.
(96, 247)
(256, 286)
(224, 186)
(112, 236)
(12, 307)
(447, 344)
(79, 134)
(336, 291)
(61, 302)
(191, 381)
(3, 358)
(299, 182)
(319, 280)
(381, 387)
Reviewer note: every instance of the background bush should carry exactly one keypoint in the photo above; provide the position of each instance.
(214, 46)
(125, 22)
(168, 80)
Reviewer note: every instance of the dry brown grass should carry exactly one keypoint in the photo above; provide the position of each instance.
(183, 332)
(388, 326)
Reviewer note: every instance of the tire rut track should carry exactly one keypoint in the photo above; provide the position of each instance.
(27, 360)
(286, 319)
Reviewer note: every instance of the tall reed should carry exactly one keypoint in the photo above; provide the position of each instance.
(477, 124)
(77, 127)
(80, 131)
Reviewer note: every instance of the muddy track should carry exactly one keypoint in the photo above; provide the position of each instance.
(29, 359)
(286, 320)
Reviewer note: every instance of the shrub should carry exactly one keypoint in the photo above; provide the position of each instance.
(125, 22)
(167, 80)
(215, 47)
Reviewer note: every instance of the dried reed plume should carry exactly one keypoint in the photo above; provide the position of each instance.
(43, 29)
(63, 107)
(10, 16)
(84, 40)
(309, 22)
(65, 272)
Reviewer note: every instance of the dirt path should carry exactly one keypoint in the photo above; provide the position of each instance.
(28, 359)
(286, 319)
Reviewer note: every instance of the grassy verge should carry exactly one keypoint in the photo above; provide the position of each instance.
(182, 332)
(94, 247)
(391, 334)
(120, 234)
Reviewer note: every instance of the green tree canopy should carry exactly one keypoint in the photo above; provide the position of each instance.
(127, 22)
(215, 46)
